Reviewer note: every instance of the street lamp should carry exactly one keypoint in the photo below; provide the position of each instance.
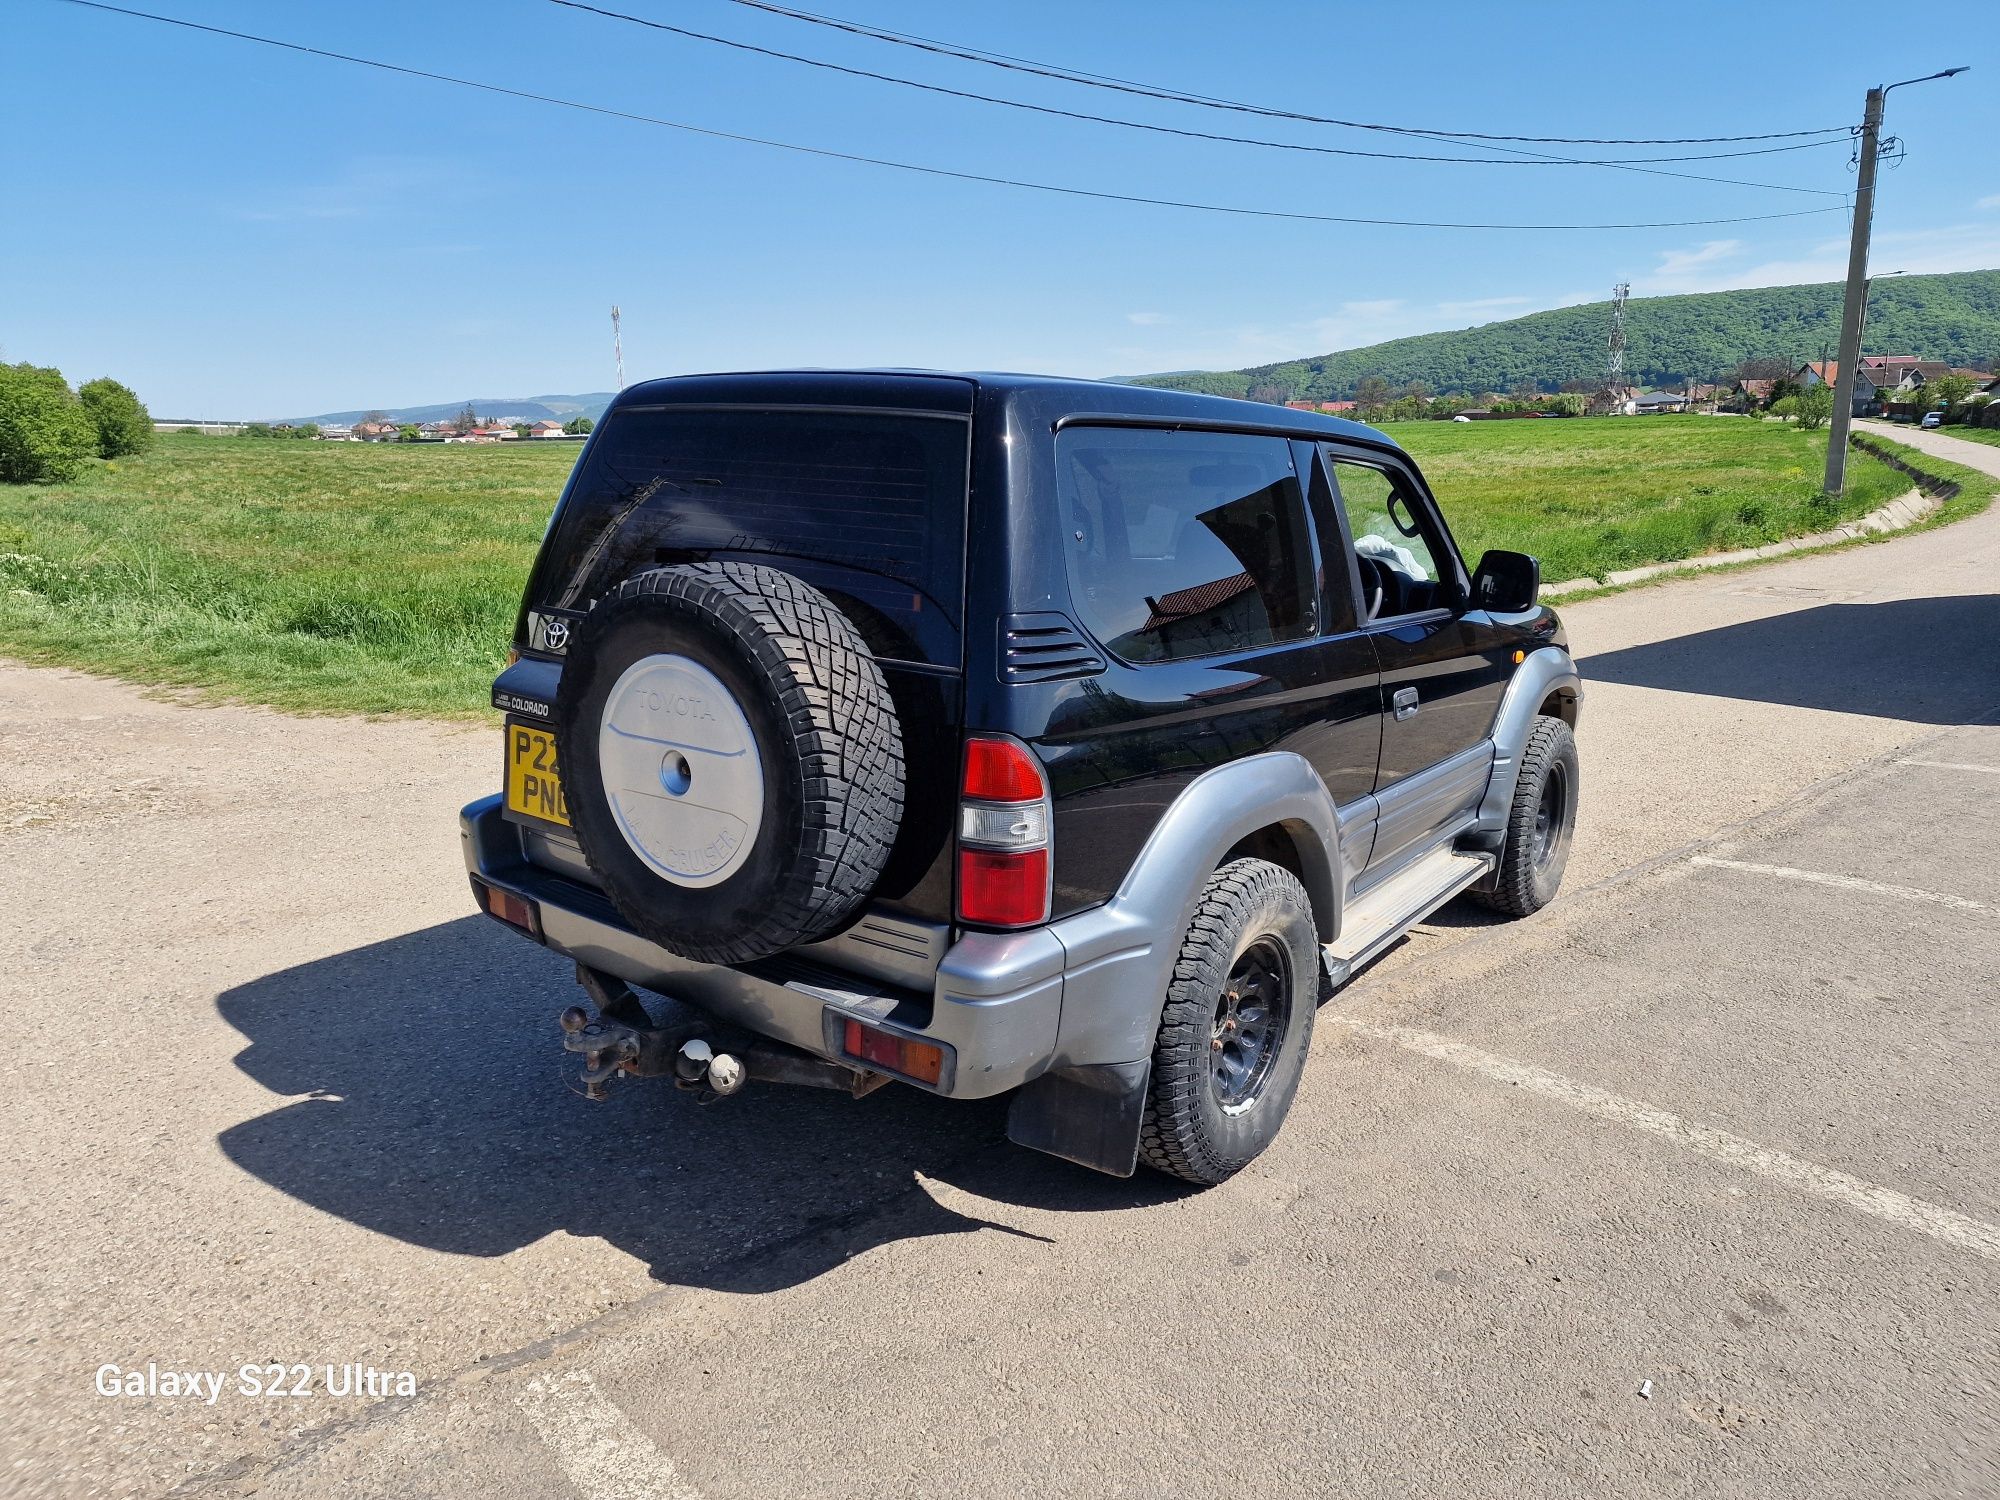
(1854, 309)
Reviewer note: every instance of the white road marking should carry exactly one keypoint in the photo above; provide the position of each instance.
(1944, 1224)
(1952, 765)
(604, 1455)
(1848, 883)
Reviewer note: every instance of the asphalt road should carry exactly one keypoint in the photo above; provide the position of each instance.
(1686, 1187)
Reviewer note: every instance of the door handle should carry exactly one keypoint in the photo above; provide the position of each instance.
(1404, 702)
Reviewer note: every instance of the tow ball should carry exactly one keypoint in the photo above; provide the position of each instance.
(621, 1040)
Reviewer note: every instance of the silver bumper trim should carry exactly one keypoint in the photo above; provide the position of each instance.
(995, 998)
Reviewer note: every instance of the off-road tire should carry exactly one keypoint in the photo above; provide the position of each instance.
(825, 728)
(1526, 882)
(1187, 1132)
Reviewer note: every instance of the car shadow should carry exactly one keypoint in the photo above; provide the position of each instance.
(1929, 661)
(429, 1099)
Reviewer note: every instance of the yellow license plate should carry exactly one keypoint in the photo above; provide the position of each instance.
(534, 785)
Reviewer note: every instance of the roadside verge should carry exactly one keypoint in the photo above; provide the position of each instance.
(1943, 492)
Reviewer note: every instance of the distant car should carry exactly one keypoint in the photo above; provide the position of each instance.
(1932, 419)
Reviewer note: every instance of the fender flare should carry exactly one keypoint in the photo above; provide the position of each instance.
(1119, 957)
(1547, 670)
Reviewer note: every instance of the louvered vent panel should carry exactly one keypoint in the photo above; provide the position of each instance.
(1043, 648)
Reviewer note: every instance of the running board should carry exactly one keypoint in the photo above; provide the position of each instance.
(1386, 912)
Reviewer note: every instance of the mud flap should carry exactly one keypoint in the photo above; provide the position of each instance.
(1089, 1115)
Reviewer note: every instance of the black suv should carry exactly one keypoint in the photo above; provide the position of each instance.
(998, 733)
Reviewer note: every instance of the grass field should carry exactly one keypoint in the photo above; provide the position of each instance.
(343, 576)
(384, 579)
(1596, 494)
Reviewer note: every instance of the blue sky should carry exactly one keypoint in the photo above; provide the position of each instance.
(242, 232)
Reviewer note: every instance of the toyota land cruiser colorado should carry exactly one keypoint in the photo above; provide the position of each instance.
(1001, 734)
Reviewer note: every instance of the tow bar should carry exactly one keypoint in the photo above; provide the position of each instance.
(622, 1041)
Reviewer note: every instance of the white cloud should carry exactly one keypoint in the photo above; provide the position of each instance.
(1714, 265)
(1951, 247)
(1991, 200)
(1479, 305)
(1147, 319)
(1682, 265)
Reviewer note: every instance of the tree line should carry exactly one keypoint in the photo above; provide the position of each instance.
(48, 432)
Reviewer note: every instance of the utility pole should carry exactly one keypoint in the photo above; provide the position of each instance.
(1855, 307)
(618, 346)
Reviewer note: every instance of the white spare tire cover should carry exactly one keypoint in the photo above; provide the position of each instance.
(681, 770)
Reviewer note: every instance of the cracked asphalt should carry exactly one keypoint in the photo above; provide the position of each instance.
(1685, 1187)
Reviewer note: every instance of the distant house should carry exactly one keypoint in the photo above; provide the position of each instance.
(375, 432)
(545, 429)
(336, 432)
(1660, 401)
(1755, 392)
(1910, 376)
(1867, 399)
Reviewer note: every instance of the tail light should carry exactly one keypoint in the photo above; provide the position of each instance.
(1003, 835)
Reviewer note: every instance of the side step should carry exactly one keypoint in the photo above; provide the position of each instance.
(1384, 913)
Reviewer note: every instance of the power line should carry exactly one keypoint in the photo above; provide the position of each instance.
(1521, 158)
(1179, 96)
(829, 154)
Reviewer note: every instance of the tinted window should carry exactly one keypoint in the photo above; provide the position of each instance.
(1184, 543)
(869, 507)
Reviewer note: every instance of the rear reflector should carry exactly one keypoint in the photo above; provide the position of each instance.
(897, 1054)
(515, 911)
(1003, 890)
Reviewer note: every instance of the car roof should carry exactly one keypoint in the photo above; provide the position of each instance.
(1106, 398)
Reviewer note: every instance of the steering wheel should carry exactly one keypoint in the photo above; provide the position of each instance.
(1374, 591)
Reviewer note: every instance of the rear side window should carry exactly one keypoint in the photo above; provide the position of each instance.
(867, 506)
(1184, 544)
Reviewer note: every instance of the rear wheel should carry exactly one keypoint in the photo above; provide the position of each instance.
(1236, 1026)
(1539, 824)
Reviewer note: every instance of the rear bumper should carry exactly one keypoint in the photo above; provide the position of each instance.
(994, 999)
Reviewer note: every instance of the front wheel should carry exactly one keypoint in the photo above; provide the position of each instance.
(1539, 823)
(1237, 1023)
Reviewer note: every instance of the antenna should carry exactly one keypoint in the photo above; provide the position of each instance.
(1614, 364)
(618, 346)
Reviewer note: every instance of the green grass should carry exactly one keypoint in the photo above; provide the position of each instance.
(1987, 435)
(311, 576)
(329, 577)
(1592, 495)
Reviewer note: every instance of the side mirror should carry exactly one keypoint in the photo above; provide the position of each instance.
(1506, 583)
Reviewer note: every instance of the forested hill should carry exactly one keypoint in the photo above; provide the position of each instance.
(1952, 317)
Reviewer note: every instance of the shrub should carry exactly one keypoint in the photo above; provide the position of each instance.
(123, 423)
(1814, 405)
(577, 426)
(45, 433)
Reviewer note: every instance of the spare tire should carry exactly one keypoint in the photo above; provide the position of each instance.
(731, 759)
